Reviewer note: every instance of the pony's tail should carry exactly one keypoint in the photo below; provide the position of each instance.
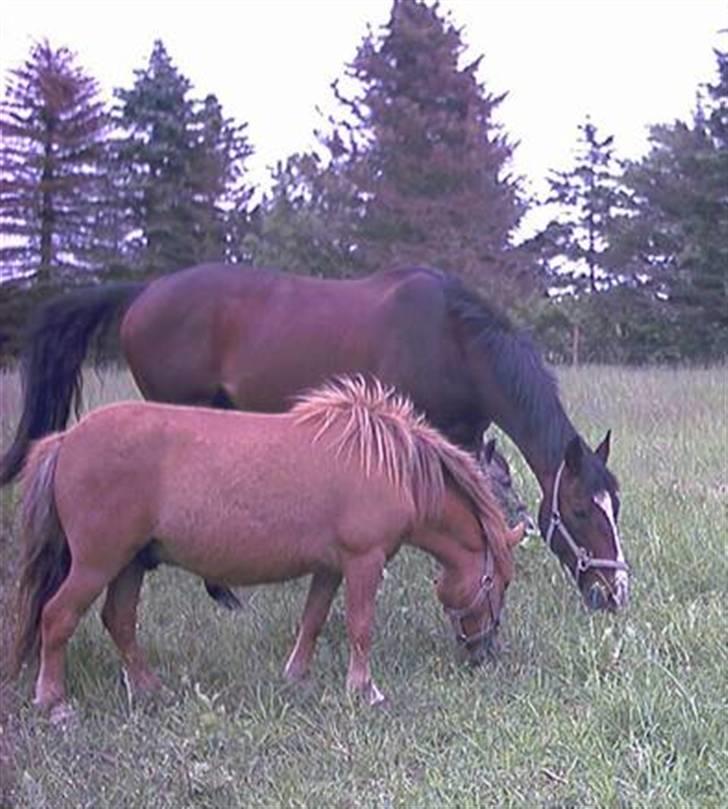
(45, 556)
(55, 347)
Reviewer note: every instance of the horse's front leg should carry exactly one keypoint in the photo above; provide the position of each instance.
(119, 616)
(362, 575)
(324, 584)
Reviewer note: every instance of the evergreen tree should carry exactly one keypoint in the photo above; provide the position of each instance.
(574, 243)
(676, 237)
(53, 127)
(417, 139)
(179, 169)
(304, 223)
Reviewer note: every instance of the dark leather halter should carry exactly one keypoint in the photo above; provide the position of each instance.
(485, 587)
(584, 559)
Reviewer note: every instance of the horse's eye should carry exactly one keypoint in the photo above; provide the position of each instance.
(580, 513)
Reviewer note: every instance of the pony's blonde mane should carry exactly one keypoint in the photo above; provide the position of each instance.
(383, 430)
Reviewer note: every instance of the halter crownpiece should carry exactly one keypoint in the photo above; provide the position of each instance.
(584, 559)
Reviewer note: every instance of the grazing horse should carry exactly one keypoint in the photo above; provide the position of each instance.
(332, 488)
(253, 339)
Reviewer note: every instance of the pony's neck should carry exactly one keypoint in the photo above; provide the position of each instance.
(452, 539)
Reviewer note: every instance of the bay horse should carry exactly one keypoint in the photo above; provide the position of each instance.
(252, 339)
(332, 489)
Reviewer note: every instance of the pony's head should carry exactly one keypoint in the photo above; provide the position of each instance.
(473, 597)
(578, 519)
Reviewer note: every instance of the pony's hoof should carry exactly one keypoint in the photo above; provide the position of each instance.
(375, 698)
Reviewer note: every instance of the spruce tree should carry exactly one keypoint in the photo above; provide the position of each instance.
(418, 140)
(588, 199)
(676, 235)
(179, 169)
(53, 128)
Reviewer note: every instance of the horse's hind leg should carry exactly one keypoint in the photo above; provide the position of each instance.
(59, 619)
(324, 585)
(119, 615)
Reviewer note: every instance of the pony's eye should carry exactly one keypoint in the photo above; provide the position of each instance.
(580, 513)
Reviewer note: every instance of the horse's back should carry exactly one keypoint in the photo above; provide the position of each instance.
(261, 336)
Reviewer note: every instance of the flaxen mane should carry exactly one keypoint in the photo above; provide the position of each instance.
(382, 428)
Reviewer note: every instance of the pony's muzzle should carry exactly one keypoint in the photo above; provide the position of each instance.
(476, 653)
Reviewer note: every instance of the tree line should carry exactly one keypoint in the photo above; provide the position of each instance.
(411, 167)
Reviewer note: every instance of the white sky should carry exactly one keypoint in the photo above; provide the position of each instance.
(627, 63)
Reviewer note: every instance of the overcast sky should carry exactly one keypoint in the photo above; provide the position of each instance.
(627, 63)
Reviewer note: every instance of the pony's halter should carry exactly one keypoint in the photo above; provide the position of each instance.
(584, 559)
(456, 616)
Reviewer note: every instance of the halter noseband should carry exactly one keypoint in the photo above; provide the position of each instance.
(456, 616)
(584, 559)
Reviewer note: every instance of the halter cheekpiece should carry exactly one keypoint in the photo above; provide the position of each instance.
(584, 559)
(485, 587)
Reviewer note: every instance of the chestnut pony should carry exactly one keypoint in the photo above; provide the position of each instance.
(253, 339)
(332, 489)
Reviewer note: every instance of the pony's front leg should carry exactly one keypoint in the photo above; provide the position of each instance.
(362, 575)
(324, 584)
(119, 615)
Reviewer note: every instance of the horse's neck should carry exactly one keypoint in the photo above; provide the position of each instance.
(542, 443)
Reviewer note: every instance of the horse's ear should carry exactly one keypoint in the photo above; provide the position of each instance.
(573, 455)
(515, 535)
(489, 450)
(602, 451)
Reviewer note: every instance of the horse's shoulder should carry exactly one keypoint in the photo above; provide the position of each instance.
(416, 290)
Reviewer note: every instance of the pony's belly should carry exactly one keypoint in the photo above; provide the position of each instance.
(245, 558)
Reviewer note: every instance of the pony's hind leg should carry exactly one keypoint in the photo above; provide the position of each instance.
(324, 585)
(119, 616)
(59, 619)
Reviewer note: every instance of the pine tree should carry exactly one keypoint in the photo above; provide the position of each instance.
(304, 223)
(588, 196)
(419, 142)
(676, 236)
(53, 128)
(179, 169)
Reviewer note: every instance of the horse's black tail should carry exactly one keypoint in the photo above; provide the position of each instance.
(55, 346)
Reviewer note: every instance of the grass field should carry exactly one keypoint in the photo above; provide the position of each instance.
(580, 710)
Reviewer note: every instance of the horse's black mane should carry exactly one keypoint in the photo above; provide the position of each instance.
(529, 385)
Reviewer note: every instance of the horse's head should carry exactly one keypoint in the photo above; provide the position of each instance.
(473, 599)
(498, 472)
(578, 520)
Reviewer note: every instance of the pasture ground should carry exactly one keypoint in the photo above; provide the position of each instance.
(580, 711)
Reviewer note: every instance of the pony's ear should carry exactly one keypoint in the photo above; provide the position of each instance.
(515, 535)
(602, 451)
(574, 455)
(489, 450)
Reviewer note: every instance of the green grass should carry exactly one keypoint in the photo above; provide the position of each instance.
(580, 711)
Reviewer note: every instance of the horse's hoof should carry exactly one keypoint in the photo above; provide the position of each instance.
(294, 673)
(62, 715)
